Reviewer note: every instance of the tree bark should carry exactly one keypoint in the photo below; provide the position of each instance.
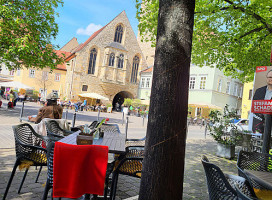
(163, 166)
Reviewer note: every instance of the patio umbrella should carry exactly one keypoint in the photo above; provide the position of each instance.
(93, 96)
(15, 84)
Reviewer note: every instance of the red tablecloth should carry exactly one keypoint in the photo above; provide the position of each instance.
(79, 169)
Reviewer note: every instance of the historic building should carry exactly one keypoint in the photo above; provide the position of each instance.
(108, 63)
(209, 88)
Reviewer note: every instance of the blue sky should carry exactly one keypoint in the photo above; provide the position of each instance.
(80, 18)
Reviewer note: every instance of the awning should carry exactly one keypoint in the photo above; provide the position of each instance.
(93, 96)
(15, 84)
(205, 105)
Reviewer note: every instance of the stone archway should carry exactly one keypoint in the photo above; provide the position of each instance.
(119, 99)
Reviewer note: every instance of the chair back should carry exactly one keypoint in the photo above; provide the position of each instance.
(50, 158)
(53, 128)
(242, 196)
(218, 185)
(28, 144)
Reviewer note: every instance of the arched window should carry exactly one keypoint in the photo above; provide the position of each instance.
(118, 34)
(111, 60)
(121, 61)
(92, 62)
(134, 71)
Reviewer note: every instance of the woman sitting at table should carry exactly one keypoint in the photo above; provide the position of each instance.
(50, 109)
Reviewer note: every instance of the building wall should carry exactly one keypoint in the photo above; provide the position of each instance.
(144, 90)
(246, 101)
(107, 80)
(38, 83)
(5, 73)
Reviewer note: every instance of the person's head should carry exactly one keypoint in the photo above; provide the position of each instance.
(269, 78)
(11, 92)
(51, 99)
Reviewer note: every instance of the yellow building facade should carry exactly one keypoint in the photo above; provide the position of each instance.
(44, 80)
(246, 100)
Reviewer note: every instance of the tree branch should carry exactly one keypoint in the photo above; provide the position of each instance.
(214, 11)
(252, 31)
(258, 17)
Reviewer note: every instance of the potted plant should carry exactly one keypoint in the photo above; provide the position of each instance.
(224, 132)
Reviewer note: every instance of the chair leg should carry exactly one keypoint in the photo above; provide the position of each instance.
(17, 162)
(38, 174)
(46, 190)
(114, 186)
(23, 180)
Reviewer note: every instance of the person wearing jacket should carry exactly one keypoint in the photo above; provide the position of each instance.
(50, 110)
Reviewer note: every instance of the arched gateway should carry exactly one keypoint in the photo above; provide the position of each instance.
(119, 99)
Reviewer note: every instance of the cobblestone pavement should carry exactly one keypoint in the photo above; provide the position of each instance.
(194, 177)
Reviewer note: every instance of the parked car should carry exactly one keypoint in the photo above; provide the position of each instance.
(240, 124)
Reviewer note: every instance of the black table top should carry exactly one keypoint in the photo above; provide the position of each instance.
(112, 138)
(263, 178)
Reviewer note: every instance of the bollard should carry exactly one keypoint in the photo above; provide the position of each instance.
(126, 127)
(98, 114)
(123, 118)
(22, 111)
(66, 114)
(74, 120)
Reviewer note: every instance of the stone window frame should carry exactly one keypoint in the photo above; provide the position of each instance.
(92, 61)
(119, 33)
(203, 80)
(120, 64)
(111, 59)
(135, 68)
(32, 73)
(84, 88)
(57, 76)
(142, 85)
(192, 82)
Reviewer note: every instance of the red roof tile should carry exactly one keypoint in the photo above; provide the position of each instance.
(60, 54)
(150, 69)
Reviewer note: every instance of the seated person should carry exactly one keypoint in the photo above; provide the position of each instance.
(50, 110)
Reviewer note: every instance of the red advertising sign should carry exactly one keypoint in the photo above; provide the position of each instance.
(261, 106)
(261, 69)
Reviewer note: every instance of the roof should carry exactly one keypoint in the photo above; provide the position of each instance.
(116, 45)
(60, 54)
(150, 69)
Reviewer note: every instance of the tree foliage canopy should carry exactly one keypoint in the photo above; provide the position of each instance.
(26, 30)
(233, 35)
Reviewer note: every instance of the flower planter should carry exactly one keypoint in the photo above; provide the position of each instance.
(225, 151)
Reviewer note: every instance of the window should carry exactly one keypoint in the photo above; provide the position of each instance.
(32, 73)
(192, 82)
(57, 77)
(44, 75)
(228, 88)
(93, 55)
(18, 72)
(84, 87)
(55, 92)
(142, 82)
(111, 60)
(134, 71)
(118, 34)
(235, 92)
(11, 72)
(219, 86)
(202, 82)
(250, 95)
(241, 91)
(147, 82)
(121, 61)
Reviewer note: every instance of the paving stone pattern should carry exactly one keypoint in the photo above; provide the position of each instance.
(194, 177)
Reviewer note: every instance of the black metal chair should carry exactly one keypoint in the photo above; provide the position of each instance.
(49, 181)
(242, 196)
(53, 129)
(30, 151)
(222, 186)
(129, 164)
(254, 161)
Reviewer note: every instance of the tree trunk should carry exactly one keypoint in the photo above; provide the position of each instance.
(163, 167)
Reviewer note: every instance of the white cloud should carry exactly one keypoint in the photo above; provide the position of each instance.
(89, 30)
